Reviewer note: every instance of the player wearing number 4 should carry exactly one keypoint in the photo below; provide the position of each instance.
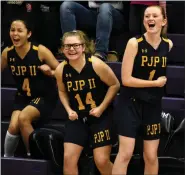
(143, 78)
(32, 68)
(87, 87)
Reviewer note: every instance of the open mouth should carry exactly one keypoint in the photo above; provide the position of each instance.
(151, 26)
(16, 40)
(72, 53)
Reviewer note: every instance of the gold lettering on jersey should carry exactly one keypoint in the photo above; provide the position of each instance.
(21, 70)
(32, 70)
(78, 85)
(156, 60)
(91, 83)
(153, 61)
(101, 136)
(18, 73)
(69, 85)
(164, 61)
(153, 129)
(144, 60)
(13, 69)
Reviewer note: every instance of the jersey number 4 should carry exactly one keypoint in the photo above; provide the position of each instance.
(88, 101)
(26, 87)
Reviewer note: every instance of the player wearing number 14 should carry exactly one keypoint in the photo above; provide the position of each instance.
(87, 87)
(31, 66)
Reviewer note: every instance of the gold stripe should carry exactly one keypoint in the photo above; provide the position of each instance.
(37, 100)
(90, 59)
(35, 48)
(140, 39)
(64, 62)
(10, 48)
(166, 39)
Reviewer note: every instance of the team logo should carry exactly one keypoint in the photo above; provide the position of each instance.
(68, 75)
(144, 50)
(12, 59)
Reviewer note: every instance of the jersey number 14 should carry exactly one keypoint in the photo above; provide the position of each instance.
(88, 101)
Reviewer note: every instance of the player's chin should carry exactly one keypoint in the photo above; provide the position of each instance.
(17, 44)
(73, 57)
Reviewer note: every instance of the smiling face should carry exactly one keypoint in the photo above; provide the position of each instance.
(19, 33)
(154, 20)
(73, 47)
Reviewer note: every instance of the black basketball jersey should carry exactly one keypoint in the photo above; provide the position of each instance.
(149, 64)
(85, 89)
(29, 79)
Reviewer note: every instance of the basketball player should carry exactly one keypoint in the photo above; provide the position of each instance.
(32, 67)
(87, 86)
(143, 78)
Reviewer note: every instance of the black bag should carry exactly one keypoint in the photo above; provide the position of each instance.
(47, 143)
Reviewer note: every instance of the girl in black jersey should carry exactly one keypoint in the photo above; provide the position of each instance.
(143, 78)
(87, 87)
(32, 67)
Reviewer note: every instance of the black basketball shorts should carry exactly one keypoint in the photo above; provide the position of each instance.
(45, 105)
(135, 117)
(83, 131)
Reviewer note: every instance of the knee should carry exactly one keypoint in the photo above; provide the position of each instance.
(23, 120)
(13, 128)
(69, 160)
(150, 158)
(66, 5)
(125, 156)
(106, 8)
(101, 161)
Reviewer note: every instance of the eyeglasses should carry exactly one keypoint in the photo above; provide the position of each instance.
(75, 46)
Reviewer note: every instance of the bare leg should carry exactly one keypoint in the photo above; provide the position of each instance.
(126, 148)
(102, 160)
(71, 156)
(150, 157)
(28, 114)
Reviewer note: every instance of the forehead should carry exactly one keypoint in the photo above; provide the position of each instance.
(151, 10)
(72, 39)
(18, 24)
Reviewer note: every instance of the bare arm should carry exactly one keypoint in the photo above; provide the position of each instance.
(108, 77)
(127, 68)
(61, 88)
(4, 62)
(46, 55)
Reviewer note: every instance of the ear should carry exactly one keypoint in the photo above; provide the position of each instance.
(29, 34)
(164, 22)
(83, 47)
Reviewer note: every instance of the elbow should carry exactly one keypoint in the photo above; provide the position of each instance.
(126, 81)
(118, 86)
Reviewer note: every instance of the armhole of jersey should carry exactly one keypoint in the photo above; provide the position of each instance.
(64, 65)
(36, 48)
(166, 40)
(8, 50)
